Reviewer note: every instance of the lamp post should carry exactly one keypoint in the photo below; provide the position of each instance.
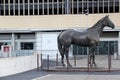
(86, 12)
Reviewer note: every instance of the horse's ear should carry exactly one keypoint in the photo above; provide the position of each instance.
(107, 16)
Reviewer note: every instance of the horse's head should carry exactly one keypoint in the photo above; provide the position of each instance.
(108, 22)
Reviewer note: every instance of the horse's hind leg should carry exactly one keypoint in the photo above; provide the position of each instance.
(62, 59)
(67, 57)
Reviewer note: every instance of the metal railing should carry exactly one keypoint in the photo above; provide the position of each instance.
(16, 53)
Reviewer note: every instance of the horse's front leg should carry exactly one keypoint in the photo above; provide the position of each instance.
(94, 64)
(93, 56)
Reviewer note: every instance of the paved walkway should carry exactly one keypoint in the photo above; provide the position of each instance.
(41, 75)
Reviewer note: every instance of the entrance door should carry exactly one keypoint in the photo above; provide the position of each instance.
(104, 48)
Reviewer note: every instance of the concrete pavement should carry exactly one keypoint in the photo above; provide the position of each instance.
(82, 76)
(42, 75)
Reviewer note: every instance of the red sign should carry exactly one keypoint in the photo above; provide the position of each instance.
(6, 48)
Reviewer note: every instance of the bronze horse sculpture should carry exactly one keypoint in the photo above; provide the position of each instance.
(87, 38)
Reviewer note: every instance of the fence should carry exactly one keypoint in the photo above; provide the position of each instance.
(81, 63)
(16, 53)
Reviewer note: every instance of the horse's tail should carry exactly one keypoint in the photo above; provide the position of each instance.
(59, 45)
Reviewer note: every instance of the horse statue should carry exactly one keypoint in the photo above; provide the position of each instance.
(87, 38)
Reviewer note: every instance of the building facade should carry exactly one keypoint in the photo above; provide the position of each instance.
(57, 7)
(33, 25)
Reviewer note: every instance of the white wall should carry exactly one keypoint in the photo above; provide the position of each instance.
(46, 43)
(13, 65)
(53, 21)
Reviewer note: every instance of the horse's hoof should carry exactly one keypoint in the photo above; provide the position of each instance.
(91, 65)
(63, 65)
(94, 65)
(69, 66)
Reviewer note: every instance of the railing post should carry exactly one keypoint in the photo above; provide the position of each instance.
(47, 62)
(109, 62)
(88, 62)
(74, 59)
(109, 57)
(57, 59)
(41, 62)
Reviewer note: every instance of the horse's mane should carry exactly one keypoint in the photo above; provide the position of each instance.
(101, 20)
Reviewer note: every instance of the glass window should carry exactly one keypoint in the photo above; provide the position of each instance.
(55, 0)
(1, 1)
(21, 1)
(60, 0)
(27, 45)
(117, 6)
(11, 10)
(31, 1)
(26, 1)
(100, 6)
(45, 0)
(111, 6)
(40, 1)
(50, 0)
(35, 1)
(6, 1)
(11, 1)
(16, 1)
(105, 6)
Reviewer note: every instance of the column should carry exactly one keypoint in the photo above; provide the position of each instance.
(119, 5)
(13, 42)
(67, 7)
(23, 7)
(77, 7)
(57, 6)
(38, 42)
(33, 7)
(38, 6)
(9, 7)
(52, 7)
(18, 7)
(4, 7)
(72, 7)
(28, 7)
(98, 7)
(43, 7)
(47, 7)
(119, 43)
(13, 7)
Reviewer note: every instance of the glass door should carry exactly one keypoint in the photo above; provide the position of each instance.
(104, 48)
